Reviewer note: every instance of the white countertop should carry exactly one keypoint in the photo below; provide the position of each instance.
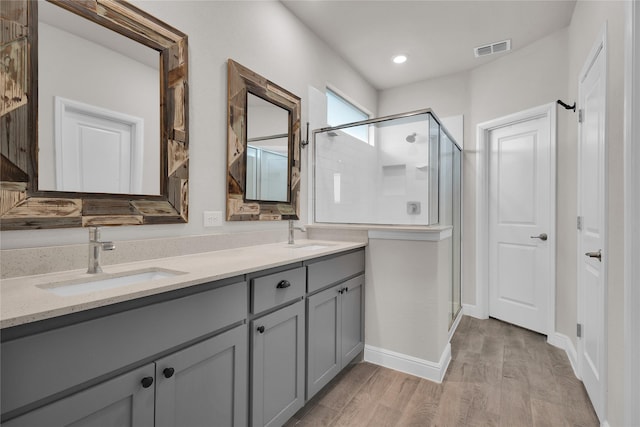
(23, 300)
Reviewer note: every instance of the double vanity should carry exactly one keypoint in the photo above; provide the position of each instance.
(227, 338)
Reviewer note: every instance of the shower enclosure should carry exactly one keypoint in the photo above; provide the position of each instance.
(402, 170)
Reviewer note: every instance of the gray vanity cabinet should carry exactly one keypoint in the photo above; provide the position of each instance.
(205, 384)
(190, 349)
(334, 331)
(278, 365)
(119, 402)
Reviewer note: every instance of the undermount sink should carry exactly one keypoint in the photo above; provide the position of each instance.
(107, 281)
(309, 246)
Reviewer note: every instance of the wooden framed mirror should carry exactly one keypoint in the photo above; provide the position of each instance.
(26, 202)
(263, 148)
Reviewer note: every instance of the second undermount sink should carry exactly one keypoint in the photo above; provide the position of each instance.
(107, 281)
(310, 246)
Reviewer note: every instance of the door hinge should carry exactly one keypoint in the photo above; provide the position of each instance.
(579, 330)
(580, 115)
(579, 223)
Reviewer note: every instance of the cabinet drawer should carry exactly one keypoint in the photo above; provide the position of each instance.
(278, 288)
(50, 362)
(333, 270)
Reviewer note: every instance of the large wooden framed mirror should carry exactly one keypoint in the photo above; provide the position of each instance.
(263, 148)
(59, 137)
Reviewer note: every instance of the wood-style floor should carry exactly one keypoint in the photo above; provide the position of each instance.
(500, 375)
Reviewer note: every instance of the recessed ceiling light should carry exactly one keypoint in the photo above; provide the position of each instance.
(400, 59)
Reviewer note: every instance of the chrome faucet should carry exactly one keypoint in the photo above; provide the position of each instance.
(95, 248)
(291, 228)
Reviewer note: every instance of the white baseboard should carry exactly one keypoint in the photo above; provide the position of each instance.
(564, 342)
(605, 423)
(433, 371)
(473, 311)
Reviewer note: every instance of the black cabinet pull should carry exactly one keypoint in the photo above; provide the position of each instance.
(261, 329)
(168, 372)
(346, 289)
(283, 284)
(341, 290)
(146, 382)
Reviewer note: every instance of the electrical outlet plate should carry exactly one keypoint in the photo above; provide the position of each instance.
(212, 218)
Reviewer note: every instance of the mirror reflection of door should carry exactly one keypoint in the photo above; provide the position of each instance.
(267, 151)
(97, 150)
(108, 73)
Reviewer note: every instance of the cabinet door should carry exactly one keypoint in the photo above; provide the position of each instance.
(352, 299)
(323, 338)
(120, 402)
(205, 384)
(278, 365)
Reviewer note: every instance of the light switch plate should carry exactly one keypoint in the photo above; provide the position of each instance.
(212, 218)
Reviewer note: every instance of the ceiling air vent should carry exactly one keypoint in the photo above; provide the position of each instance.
(492, 48)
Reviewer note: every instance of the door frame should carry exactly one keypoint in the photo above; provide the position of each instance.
(631, 213)
(599, 47)
(482, 208)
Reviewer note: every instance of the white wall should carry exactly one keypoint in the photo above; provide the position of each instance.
(263, 36)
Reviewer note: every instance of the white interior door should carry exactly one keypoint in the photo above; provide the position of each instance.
(592, 293)
(97, 150)
(521, 218)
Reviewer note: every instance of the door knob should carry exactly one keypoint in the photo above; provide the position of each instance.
(597, 255)
(541, 236)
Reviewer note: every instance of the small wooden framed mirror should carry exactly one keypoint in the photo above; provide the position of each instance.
(263, 148)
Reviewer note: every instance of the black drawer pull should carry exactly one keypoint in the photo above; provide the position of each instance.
(283, 284)
(168, 372)
(261, 329)
(147, 382)
(346, 289)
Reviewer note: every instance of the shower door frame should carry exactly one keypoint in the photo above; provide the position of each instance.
(380, 120)
(453, 323)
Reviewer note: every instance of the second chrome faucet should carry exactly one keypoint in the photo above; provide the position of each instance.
(96, 246)
(291, 229)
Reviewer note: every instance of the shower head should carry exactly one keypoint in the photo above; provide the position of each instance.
(411, 138)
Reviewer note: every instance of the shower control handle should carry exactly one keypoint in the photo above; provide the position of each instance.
(541, 236)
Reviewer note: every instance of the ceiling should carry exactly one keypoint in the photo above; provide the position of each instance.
(437, 36)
